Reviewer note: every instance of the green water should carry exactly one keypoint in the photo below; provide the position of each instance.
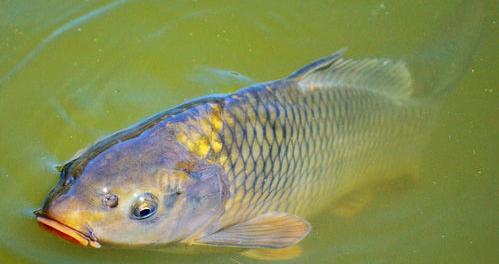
(74, 71)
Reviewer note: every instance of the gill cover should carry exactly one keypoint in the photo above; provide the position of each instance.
(192, 201)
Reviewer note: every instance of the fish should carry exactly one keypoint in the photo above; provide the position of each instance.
(248, 169)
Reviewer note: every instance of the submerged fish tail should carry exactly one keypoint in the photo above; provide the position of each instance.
(446, 57)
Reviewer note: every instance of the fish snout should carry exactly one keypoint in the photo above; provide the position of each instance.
(57, 206)
(62, 217)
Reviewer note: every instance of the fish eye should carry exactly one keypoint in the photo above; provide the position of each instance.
(110, 200)
(144, 206)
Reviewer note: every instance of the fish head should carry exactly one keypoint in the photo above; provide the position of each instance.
(143, 191)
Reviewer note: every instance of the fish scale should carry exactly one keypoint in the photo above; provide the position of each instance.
(307, 153)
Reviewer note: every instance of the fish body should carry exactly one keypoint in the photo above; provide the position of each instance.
(295, 146)
(246, 169)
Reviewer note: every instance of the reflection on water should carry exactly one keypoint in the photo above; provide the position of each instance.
(72, 72)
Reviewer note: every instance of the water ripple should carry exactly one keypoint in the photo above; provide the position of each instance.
(56, 33)
(213, 78)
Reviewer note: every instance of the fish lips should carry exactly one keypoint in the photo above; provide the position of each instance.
(66, 232)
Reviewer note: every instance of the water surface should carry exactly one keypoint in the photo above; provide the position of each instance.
(72, 72)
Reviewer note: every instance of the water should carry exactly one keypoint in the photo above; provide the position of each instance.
(74, 71)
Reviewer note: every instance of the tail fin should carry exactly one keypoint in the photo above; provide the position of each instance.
(444, 60)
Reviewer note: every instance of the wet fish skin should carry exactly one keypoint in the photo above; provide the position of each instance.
(285, 149)
(223, 168)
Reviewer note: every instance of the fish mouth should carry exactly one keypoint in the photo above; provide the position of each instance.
(66, 232)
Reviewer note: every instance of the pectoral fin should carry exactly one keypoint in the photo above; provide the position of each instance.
(270, 230)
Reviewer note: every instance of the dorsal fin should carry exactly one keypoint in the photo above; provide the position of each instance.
(318, 64)
(391, 78)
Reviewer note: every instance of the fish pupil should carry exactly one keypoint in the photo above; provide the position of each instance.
(145, 212)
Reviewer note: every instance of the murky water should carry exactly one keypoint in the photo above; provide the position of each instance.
(74, 71)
